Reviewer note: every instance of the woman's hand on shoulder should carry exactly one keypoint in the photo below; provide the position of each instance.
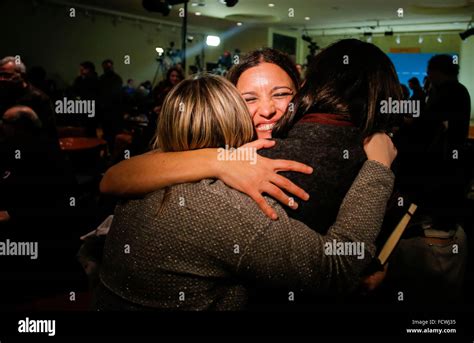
(379, 147)
(256, 175)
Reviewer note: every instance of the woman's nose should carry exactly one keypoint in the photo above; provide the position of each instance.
(267, 109)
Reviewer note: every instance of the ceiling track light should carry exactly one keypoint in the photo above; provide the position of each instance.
(229, 3)
(201, 3)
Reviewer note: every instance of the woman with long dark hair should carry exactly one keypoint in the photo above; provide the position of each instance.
(324, 127)
(203, 245)
(334, 111)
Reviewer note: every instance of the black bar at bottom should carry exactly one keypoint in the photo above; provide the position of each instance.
(331, 321)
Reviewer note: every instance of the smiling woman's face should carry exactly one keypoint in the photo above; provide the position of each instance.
(267, 90)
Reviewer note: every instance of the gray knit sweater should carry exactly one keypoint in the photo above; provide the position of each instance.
(336, 154)
(199, 252)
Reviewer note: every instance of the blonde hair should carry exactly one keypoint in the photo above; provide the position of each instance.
(203, 111)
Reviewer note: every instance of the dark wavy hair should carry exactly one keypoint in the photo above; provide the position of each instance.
(264, 55)
(349, 78)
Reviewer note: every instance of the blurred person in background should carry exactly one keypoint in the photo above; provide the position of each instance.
(85, 87)
(417, 92)
(16, 90)
(174, 75)
(110, 103)
(433, 172)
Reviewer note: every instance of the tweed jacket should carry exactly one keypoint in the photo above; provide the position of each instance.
(202, 247)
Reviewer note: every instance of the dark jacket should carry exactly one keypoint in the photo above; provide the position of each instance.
(334, 149)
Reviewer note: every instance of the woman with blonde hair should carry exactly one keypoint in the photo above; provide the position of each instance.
(267, 79)
(202, 245)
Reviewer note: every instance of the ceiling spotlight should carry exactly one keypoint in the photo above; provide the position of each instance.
(213, 41)
(397, 39)
(271, 5)
(198, 13)
(420, 40)
(239, 24)
(307, 18)
(439, 39)
(229, 3)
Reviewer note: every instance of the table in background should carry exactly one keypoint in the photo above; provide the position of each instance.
(81, 143)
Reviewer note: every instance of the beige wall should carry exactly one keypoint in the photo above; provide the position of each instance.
(466, 75)
(246, 39)
(51, 38)
(450, 42)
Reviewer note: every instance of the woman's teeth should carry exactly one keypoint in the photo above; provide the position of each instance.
(265, 127)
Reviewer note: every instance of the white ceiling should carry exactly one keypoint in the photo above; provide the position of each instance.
(327, 15)
(323, 13)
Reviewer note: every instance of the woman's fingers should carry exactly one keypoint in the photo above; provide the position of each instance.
(287, 165)
(264, 206)
(262, 177)
(373, 281)
(259, 144)
(379, 147)
(279, 195)
(283, 183)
